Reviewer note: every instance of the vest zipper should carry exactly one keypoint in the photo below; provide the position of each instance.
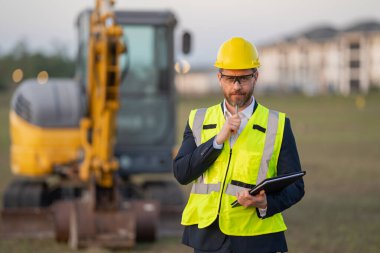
(224, 181)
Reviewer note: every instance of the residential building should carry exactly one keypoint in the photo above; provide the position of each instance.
(324, 60)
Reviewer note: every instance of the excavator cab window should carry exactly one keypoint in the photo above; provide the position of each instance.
(144, 67)
(145, 89)
(146, 118)
(145, 63)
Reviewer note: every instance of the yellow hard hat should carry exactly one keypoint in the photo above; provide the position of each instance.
(237, 53)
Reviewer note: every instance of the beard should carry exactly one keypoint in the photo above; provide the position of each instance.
(243, 100)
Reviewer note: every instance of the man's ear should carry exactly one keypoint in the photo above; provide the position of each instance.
(219, 76)
(256, 75)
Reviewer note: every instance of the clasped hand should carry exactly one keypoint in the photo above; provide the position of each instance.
(231, 126)
(245, 199)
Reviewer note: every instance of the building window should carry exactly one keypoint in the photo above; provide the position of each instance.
(354, 46)
(354, 64)
(354, 85)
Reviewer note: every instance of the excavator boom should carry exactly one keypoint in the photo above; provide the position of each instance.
(104, 51)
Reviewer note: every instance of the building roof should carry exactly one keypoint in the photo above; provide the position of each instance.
(318, 33)
(325, 32)
(364, 26)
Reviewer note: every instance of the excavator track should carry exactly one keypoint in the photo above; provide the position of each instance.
(25, 212)
(26, 223)
(26, 194)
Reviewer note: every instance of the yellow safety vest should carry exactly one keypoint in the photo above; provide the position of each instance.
(253, 158)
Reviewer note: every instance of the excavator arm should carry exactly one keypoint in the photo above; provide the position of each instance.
(98, 129)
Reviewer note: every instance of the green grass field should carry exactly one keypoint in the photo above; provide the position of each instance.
(4, 139)
(339, 147)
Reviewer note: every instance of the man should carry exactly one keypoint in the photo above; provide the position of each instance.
(226, 150)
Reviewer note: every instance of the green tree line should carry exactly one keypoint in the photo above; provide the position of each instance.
(57, 64)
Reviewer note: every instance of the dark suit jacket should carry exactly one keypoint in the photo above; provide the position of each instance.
(191, 161)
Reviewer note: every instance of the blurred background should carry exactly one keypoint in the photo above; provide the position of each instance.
(320, 65)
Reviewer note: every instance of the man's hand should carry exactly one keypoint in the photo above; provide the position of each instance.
(245, 199)
(231, 126)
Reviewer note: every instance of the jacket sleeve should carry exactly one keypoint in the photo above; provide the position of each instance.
(191, 161)
(288, 162)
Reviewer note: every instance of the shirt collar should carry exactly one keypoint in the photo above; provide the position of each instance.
(247, 112)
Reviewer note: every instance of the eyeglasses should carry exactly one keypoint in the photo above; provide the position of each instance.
(242, 80)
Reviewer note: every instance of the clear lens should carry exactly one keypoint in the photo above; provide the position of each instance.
(242, 80)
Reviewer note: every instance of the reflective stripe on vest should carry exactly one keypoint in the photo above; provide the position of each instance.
(198, 124)
(200, 187)
(269, 145)
(267, 154)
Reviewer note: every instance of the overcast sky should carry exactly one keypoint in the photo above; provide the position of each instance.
(44, 22)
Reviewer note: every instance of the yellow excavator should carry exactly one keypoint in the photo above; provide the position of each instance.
(79, 147)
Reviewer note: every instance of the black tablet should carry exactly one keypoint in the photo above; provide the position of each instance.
(274, 184)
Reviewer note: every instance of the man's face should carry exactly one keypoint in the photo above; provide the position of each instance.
(237, 85)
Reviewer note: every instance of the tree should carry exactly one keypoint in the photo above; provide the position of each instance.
(56, 64)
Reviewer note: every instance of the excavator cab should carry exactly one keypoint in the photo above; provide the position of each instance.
(146, 118)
